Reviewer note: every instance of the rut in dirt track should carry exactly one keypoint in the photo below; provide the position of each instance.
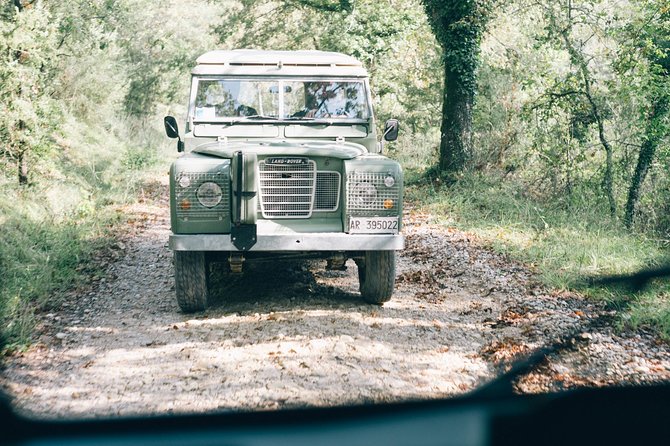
(292, 334)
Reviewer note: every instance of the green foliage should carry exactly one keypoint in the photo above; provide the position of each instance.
(644, 64)
(564, 99)
(565, 241)
(392, 39)
(138, 158)
(69, 102)
(652, 309)
(458, 27)
(39, 255)
(28, 114)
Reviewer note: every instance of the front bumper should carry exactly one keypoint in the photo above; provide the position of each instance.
(316, 241)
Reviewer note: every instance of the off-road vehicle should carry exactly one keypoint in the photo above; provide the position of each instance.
(282, 161)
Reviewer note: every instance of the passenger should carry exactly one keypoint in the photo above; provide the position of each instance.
(313, 108)
(245, 110)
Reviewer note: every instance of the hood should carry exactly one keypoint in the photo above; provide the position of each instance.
(226, 149)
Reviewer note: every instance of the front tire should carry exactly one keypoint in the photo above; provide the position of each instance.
(191, 281)
(376, 276)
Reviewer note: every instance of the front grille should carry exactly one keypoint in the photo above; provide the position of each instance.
(287, 191)
(361, 204)
(196, 211)
(327, 191)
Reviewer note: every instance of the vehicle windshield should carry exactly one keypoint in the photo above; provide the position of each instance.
(221, 99)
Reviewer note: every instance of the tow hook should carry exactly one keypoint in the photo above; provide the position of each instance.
(236, 260)
(336, 262)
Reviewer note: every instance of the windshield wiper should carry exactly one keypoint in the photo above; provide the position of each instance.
(233, 121)
(318, 121)
(301, 119)
(254, 117)
(308, 120)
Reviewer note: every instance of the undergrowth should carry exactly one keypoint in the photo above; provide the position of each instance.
(564, 239)
(39, 257)
(51, 229)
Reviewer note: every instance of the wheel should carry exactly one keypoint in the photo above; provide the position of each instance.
(190, 276)
(376, 276)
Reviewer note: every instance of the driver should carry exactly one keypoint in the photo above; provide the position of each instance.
(312, 104)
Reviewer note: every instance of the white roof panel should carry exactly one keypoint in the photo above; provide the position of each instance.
(254, 62)
(259, 57)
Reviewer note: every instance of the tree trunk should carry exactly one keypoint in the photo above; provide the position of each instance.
(456, 129)
(579, 59)
(645, 158)
(643, 163)
(608, 177)
(458, 27)
(23, 169)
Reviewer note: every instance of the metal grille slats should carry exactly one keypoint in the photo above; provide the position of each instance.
(281, 184)
(327, 191)
(197, 211)
(287, 191)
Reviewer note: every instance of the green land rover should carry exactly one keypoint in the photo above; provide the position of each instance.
(281, 160)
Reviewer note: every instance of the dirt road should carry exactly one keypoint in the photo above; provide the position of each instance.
(288, 335)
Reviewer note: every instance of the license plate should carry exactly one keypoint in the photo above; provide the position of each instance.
(373, 225)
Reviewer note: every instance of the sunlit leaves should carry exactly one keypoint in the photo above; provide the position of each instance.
(392, 39)
(27, 112)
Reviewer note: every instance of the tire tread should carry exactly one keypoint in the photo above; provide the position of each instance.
(377, 278)
(191, 287)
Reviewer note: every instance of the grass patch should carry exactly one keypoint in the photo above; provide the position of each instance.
(51, 230)
(564, 240)
(40, 256)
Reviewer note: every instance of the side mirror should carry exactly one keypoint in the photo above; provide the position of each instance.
(171, 127)
(391, 129)
(172, 131)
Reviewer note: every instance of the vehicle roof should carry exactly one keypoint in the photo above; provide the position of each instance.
(278, 63)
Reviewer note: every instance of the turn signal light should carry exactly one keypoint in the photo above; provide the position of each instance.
(388, 203)
(185, 205)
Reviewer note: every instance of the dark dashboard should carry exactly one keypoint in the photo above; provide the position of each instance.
(629, 415)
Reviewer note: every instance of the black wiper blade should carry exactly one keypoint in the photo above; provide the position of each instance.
(253, 117)
(636, 281)
(307, 120)
(503, 385)
(233, 121)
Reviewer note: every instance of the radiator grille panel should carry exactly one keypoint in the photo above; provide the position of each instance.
(287, 191)
(327, 191)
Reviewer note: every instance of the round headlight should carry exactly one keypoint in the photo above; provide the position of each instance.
(389, 181)
(364, 193)
(209, 194)
(184, 181)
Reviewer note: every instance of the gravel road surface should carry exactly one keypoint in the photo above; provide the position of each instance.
(294, 335)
